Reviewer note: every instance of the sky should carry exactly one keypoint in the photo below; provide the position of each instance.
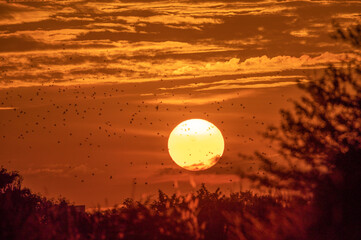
(91, 90)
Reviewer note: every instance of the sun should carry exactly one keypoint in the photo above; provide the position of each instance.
(196, 144)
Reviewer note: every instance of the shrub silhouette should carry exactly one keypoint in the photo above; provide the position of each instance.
(319, 142)
(200, 215)
(8, 179)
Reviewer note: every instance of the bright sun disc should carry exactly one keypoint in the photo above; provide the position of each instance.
(196, 144)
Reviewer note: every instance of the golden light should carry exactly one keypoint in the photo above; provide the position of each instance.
(196, 144)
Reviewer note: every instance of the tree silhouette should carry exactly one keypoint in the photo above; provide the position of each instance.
(8, 179)
(319, 142)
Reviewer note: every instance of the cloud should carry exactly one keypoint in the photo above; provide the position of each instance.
(288, 62)
(95, 42)
(48, 36)
(13, 43)
(171, 19)
(61, 170)
(256, 85)
(200, 99)
(16, 13)
(121, 65)
(303, 33)
(260, 64)
(19, 43)
(7, 108)
(244, 80)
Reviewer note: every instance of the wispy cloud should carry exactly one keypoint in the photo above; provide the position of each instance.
(7, 108)
(76, 42)
(17, 13)
(260, 64)
(256, 85)
(59, 170)
(200, 99)
(244, 81)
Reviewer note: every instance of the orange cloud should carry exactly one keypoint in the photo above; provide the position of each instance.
(256, 85)
(200, 100)
(260, 64)
(253, 80)
(7, 108)
(16, 13)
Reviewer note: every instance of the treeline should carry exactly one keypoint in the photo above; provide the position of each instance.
(201, 215)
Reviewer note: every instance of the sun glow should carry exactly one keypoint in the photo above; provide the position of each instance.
(196, 144)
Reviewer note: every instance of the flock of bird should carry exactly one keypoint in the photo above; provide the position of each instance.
(56, 111)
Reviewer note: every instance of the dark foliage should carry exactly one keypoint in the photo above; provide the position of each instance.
(320, 147)
(202, 215)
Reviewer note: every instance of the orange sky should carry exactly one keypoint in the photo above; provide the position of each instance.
(90, 91)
